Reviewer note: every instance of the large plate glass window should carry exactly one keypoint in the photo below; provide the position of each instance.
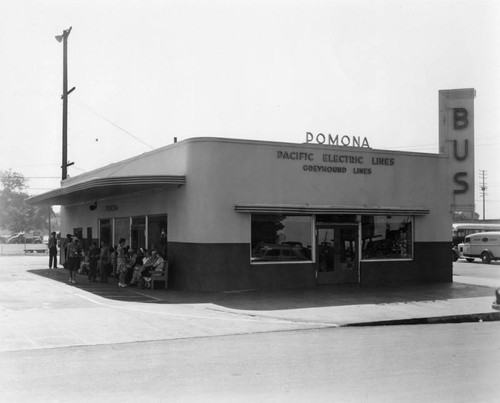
(138, 232)
(157, 234)
(281, 238)
(387, 237)
(105, 231)
(122, 230)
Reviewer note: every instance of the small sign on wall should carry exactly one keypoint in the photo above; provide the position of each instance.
(111, 207)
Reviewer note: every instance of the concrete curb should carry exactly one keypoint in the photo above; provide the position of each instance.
(476, 317)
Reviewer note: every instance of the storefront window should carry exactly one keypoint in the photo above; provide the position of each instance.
(133, 229)
(122, 230)
(105, 231)
(138, 233)
(280, 238)
(387, 237)
(78, 232)
(157, 234)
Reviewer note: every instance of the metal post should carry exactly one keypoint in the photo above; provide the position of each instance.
(64, 39)
(65, 107)
(50, 208)
(483, 188)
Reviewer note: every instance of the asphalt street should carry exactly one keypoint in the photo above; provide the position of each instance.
(98, 342)
(422, 363)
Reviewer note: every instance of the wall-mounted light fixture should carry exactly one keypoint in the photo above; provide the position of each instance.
(92, 207)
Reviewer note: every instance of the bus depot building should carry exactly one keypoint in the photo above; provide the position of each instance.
(244, 214)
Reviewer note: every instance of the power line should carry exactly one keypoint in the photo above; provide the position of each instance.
(100, 115)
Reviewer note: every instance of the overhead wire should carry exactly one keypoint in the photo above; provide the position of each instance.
(85, 105)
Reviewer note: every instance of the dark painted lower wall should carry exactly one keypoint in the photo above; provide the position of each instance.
(431, 263)
(224, 267)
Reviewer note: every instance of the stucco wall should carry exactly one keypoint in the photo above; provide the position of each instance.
(221, 173)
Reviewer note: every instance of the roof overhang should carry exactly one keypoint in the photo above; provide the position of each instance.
(328, 209)
(96, 189)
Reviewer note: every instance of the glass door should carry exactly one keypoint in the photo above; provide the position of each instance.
(337, 254)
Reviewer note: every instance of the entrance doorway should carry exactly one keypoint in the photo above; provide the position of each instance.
(337, 254)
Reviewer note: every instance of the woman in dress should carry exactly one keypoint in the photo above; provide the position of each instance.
(73, 254)
(121, 262)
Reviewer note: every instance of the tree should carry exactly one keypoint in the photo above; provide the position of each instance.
(16, 214)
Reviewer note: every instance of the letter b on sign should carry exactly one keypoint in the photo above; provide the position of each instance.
(460, 120)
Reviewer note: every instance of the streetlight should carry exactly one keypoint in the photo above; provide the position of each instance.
(64, 39)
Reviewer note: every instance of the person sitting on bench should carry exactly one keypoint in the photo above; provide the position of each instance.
(143, 273)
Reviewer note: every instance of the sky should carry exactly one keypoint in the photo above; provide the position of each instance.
(147, 71)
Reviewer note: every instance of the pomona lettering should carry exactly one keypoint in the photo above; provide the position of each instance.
(346, 141)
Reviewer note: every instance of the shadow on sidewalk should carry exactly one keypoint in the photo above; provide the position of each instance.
(109, 290)
(265, 300)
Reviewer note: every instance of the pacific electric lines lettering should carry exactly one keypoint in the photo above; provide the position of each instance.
(335, 163)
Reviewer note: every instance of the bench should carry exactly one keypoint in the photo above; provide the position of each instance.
(160, 275)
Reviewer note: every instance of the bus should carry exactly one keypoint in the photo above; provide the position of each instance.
(461, 230)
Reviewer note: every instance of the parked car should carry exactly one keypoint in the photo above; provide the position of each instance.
(25, 238)
(278, 253)
(483, 245)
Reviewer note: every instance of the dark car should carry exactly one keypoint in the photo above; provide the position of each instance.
(278, 253)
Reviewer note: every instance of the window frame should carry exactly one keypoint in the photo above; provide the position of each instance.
(398, 259)
(281, 262)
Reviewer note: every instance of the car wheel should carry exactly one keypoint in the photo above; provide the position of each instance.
(454, 256)
(486, 257)
(469, 260)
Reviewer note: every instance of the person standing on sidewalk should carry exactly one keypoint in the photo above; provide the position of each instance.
(121, 262)
(163, 242)
(94, 253)
(53, 251)
(104, 262)
(64, 250)
(73, 254)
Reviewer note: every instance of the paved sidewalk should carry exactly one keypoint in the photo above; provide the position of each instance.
(39, 309)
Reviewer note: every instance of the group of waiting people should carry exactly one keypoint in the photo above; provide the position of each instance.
(136, 265)
(133, 267)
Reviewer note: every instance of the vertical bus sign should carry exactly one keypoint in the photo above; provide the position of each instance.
(456, 139)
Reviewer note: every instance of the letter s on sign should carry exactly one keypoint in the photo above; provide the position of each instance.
(458, 181)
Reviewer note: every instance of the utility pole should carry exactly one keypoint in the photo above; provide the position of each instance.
(483, 188)
(65, 164)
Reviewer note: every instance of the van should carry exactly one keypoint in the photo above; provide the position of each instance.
(483, 245)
